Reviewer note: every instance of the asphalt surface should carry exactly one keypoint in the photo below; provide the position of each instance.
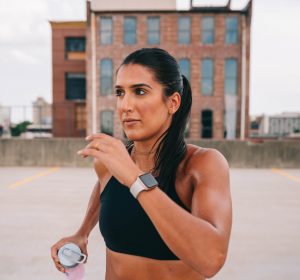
(38, 206)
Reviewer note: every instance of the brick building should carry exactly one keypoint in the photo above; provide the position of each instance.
(211, 44)
(68, 78)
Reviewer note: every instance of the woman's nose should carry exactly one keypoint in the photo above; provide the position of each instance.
(127, 102)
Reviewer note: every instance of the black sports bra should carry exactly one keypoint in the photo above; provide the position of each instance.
(125, 226)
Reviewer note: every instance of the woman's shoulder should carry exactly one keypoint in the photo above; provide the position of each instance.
(199, 158)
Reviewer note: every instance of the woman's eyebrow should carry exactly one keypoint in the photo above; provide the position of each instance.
(134, 86)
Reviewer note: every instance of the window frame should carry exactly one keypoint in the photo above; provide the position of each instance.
(109, 31)
(153, 31)
(189, 67)
(205, 30)
(206, 77)
(228, 77)
(68, 96)
(231, 31)
(102, 112)
(205, 128)
(184, 31)
(126, 30)
(103, 77)
(68, 38)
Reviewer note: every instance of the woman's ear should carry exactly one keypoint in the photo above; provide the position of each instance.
(174, 102)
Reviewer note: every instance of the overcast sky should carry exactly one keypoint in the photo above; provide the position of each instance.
(25, 50)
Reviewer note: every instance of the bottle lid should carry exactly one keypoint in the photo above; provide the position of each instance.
(70, 255)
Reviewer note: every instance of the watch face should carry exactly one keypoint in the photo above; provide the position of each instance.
(148, 180)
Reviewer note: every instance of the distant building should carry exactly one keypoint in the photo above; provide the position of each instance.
(211, 44)
(280, 124)
(42, 112)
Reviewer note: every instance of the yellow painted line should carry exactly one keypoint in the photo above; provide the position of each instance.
(34, 177)
(285, 174)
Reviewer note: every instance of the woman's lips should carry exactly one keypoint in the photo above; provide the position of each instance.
(130, 123)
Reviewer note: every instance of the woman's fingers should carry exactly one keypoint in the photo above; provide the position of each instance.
(54, 250)
(102, 136)
(88, 152)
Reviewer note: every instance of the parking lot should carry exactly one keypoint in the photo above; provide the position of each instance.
(38, 206)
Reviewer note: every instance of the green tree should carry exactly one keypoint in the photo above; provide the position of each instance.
(19, 128)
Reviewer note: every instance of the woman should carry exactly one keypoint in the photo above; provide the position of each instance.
(165, 206)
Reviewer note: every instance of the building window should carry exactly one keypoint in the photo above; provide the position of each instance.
(75, 86)
(130, 30)
(153, 30)
(231, 76)
(184, 65)
(231, 30)
(184, 27)
(106, 76)
(75, 44)
(207, 124)
(107, 122)
(106, 30)
(207, 76)
(208, 30)
(80, 117)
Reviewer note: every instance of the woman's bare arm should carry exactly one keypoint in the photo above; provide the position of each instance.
(92, 213)
(90, 220)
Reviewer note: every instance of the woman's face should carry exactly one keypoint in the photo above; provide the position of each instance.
(140, 97)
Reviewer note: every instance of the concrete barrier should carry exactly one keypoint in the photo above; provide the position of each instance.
(62, 152)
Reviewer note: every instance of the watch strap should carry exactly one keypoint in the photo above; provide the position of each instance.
(139, 186)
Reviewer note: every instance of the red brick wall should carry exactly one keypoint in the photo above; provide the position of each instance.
(64, 110)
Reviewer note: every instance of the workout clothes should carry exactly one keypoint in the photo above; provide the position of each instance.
(125, 226)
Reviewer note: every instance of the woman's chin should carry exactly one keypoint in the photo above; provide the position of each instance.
(132, 136)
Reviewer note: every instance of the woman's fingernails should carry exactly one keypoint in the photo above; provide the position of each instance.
(79, 152)
(88, 138)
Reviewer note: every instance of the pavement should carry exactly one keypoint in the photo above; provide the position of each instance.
(38, 206)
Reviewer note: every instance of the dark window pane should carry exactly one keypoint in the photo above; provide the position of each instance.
(184, 65)
(208, 30)
(184, 24)
(231, 30)
(130, 30)
(75, 86)
(106, 76)
(75, 44)
(153, 30)
(106, 30)
(107, 122)
(207, 124)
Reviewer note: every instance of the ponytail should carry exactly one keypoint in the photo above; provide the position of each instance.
(172, 148)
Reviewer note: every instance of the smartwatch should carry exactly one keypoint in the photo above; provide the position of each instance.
(144, 182)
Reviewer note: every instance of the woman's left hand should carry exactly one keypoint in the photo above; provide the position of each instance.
(114, 155)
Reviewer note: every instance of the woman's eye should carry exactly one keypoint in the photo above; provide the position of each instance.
(140, 91)
(118, 92)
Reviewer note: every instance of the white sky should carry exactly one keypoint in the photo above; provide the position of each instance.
(25, 50)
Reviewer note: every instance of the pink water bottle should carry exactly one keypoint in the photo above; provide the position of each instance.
(72, 259)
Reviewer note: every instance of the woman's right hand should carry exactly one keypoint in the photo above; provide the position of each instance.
(80, 240)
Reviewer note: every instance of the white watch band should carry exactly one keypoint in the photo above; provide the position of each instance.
(137, 187)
